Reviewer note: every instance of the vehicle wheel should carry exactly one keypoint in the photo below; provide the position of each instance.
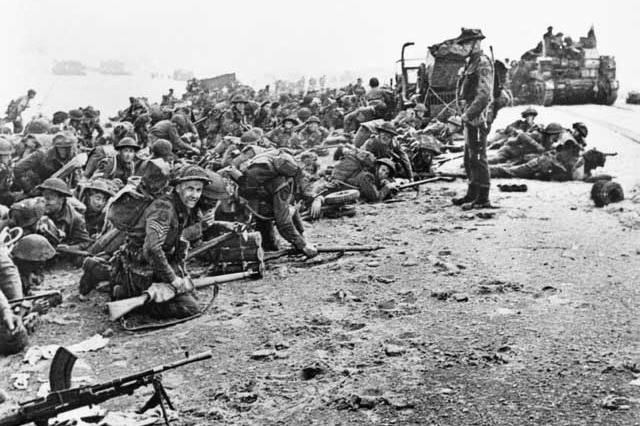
(605, 192)
(342, 197)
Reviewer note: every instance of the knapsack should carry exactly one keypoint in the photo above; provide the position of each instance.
(127, 207)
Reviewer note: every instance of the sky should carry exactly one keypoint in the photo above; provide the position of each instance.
(287, 38)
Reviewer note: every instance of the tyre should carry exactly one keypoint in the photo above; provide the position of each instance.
(342, 197)
(606, 192)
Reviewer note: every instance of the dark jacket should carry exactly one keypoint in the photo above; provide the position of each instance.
(73, 225)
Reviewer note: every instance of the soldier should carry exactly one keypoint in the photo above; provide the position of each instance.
(75, 121)
(62, 221)
(96, 196)
(16, 108)
(88, 126)
(384, 145)
(477, 94)
(6, 174)
(361, 115)
(282, 134)
(517, 149)
(375, 94)
(268, 184)
(527, 124)
(13, 335)
(234, 121)
(169, 99)
(580, 132)
(26, 213)
(121, 166)
(39, 166)
(172, 130)
(152, 260)
(311, 136)
(30, 255)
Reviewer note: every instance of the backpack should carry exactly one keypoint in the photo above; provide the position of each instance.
(271, 164)
(127, 207)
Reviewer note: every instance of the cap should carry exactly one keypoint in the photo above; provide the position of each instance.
(469, 34)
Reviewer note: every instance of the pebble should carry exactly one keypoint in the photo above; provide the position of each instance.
(395, 350)
(262, 354)
(108, 332)
(373, 264)
(461, 297)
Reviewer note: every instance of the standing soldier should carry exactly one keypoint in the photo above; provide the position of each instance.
(16, 108)
(153, 258)
(477, 95)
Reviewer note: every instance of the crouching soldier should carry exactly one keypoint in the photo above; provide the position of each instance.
(152, 259)
(268, 184)
(63, 225)
(29, 255)
(96, 196)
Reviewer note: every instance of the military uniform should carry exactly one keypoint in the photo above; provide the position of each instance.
(394, 152)
(268, 185)
(11, 341)
(306, 139)
(113, 168)
(72, 224)
(281, 136)
(233, 123)
(37, 167)
(155, 252)
(477, 95)
(167, 130)
(15, 110)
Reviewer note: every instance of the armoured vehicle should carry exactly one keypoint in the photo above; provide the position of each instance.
(563, 72)
(433, 80)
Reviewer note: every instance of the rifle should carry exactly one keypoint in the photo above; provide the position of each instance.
(75, 163)
(54, 298)
(73, 252)
(422, 182)
(333, 249)
(209, 244)
(64, 398)
(122, 307)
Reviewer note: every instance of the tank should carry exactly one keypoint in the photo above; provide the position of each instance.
(559, 71)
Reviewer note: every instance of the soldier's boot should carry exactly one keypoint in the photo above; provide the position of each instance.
(481, 202)
(472, 194)
(95, 270)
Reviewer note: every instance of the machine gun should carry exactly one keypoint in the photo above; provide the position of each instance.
(64, 398)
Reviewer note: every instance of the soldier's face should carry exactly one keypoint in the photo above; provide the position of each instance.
(288, 125)
(127, 154)
(97, 201)
(386, 138)
(240, 106)
(467, 47)
(52, 201)
(383, 172)
(312, 126)
(64, 152)
(189, 192)
(530, 119)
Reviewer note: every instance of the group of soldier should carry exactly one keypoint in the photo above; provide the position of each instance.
(128, 200)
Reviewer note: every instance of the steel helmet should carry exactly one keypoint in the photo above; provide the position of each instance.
(62, 140)
(239, 99)
(56, 185)
(105, 186)
(312, 119)
(33, 248)
(191, 172)
(179, 120)
(389, 163)
(127, 142)
(529, 111)
(161, 148)
(216, 189)
(553, 129)
(27, 212)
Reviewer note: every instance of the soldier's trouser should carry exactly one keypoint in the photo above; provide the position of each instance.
(17, 126)
(132, 281)
(475, 155)
(503, 155)
(10, 283)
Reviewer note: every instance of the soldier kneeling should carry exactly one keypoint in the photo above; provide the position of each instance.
(152, 260)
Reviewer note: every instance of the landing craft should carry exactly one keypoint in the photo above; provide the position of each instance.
(559, 71)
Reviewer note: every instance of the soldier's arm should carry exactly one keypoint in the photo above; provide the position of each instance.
(99, 129)
(178, 144)
(529, 144)
(284, 221)
(103, 169)
(157, 226)
(405, 162)
(483, 91)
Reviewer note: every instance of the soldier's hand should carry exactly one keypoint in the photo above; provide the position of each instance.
(182, 285)
(160, 292)
(310, 251)
(316, 207)
(209, 217)
(10, 320)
